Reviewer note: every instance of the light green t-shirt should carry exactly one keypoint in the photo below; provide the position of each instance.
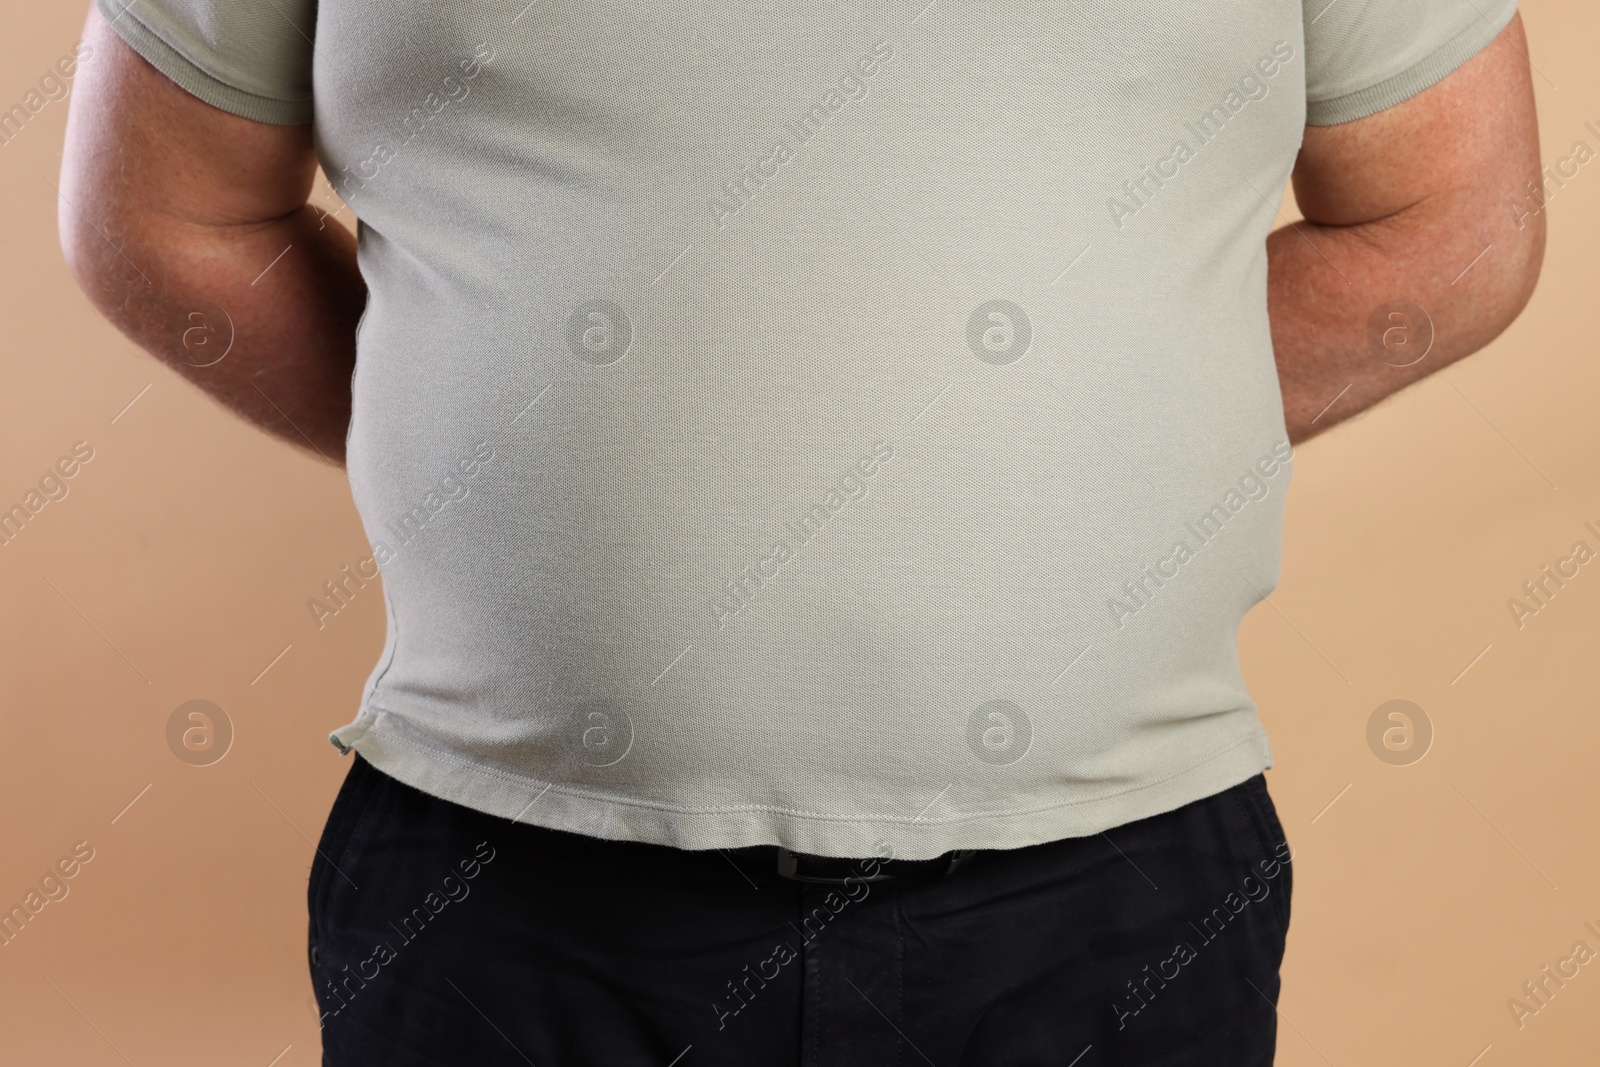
(833, 424)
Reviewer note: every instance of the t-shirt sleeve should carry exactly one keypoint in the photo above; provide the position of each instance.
(1366, 55)
(251, 58)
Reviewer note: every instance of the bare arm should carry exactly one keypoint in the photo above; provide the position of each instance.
(177, 218)
(1425, 202)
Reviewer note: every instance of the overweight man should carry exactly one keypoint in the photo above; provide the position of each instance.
(818, 456)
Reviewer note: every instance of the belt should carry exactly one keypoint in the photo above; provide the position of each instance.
(834, 870)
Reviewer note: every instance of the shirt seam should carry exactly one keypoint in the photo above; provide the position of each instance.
(195, 77)
(1403, 85)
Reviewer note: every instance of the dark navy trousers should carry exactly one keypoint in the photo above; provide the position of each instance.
(440, 935)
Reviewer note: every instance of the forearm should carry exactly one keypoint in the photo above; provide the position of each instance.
(1341, 344)
(280, 298)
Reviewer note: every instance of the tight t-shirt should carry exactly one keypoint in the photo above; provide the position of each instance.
(850, 426)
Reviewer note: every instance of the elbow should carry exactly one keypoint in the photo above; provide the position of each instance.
(1520, 277)
(1495, 293)
(101, 245)
(78, 236)
(1532, 266)
(80, 262)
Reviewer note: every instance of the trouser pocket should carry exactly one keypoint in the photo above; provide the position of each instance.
(1274, 866)
(351, 804)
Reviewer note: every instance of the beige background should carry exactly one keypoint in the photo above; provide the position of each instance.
(179, 565)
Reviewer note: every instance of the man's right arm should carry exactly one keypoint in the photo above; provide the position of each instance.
(183, 224)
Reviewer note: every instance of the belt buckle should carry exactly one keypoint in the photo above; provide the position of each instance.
(792, 865)
(802, 867)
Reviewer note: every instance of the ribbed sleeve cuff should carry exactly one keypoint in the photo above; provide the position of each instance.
(1409, 82)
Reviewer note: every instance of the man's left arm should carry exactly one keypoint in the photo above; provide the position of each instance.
(1427, 202)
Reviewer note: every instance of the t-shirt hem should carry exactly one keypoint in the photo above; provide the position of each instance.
(1400, 87)
(196, 80)
(450, 777)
